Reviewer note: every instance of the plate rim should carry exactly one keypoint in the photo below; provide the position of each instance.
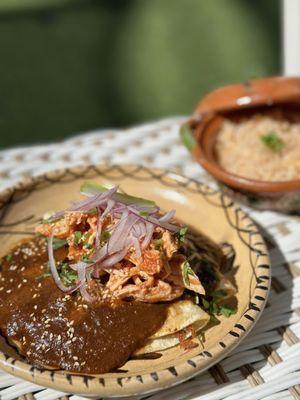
(149, 382)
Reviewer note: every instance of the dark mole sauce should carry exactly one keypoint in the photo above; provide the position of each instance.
(55, 330)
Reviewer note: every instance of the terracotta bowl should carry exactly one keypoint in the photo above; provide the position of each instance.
(266, 96)
(197, 205)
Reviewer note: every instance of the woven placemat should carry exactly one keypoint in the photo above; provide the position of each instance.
(266, 366)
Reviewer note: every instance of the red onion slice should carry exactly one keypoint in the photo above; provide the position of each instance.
(169, 215)
(81, 269)
(110, 205)
(137, 247)
(86, 205)
(149, 233)
(98, 229)
(114, 259)
(55, 275)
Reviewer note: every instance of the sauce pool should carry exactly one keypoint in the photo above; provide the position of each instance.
(62, 331)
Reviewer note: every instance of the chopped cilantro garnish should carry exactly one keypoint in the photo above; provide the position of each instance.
(67, 275)
(77, 237)
(85, 258)
(182, 234)
(215, 309)
(186, 272)
(45, 221)
(273, 142)
(157, 244)
(9, 257)
(144, 214)
(105, 235)
(227, 310)
(46, 273)
(58, 243)
(92, 211)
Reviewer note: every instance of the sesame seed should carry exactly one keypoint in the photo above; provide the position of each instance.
(8, 291)
(75, 358)
(35, 307)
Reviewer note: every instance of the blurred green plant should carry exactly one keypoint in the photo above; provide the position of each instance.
(74, 65)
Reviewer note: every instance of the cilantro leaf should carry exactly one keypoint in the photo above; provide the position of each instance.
(273, 141)
(77, 237)
(86, 258)
(186, 272)
(227, 310)
(58, 243)
(182, 234)
(67, 275)
(157, 243)
(9, 257)
(105, 235)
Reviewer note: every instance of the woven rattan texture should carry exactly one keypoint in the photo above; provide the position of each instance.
(266, 366)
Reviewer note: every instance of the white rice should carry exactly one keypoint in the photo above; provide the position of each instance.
(241, 151)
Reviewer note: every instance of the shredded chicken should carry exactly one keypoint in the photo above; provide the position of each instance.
(154, 275)
(177, 276)
(151, 291)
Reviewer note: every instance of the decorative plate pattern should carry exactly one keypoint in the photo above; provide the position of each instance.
(198, 205)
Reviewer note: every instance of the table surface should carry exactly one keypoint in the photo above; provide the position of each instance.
(266, 365)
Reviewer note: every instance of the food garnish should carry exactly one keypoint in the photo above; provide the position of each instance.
(121, 224)
(273, 142)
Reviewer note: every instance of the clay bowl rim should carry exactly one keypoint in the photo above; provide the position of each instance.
(202, 129)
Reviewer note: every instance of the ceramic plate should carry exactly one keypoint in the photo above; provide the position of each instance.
(198, 206)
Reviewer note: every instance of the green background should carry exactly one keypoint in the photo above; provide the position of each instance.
(75, 65)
